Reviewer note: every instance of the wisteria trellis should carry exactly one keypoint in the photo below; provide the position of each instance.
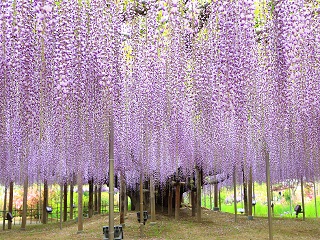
(188, 83)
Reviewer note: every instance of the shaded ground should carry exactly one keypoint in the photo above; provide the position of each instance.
(215, 225)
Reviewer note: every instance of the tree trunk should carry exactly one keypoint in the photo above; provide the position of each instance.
(90, 204)
(45, 203)
(65, 201)
(10, 203)
(24, 204)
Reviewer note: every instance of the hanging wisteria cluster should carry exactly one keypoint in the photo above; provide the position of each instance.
(187, 83)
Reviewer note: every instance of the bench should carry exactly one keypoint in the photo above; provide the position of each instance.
(118, 233)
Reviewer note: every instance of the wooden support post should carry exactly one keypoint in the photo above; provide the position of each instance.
(198, 194)
(170, 201)
(177, 202)
(71, 200)
(219, 199)
(122, 198)
(216, 197)
(111, 178)
(315, 198)
(250, 217)
(65, 201)
(80, 201)
(10, 203)
(254, 198)
(24, 204)
(95, 199)
(204, 198)
(302, 199)
(99, 198)
(210, 196)
(267, 160)
(61, 200)
(45, 202)
(152, 200)
(245, 195)
(90, 204)
(193, 202)
(141, 206)
(235, 193)
(4, 209)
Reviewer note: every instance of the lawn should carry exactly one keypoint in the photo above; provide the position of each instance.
(214, 225)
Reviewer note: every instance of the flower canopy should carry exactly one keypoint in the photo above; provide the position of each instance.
(188, 83)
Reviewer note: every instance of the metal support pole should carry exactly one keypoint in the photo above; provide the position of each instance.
(4, 208)
(10, 203)
(111, 179)
(235, 193)
(198, 194)
(61, 202)
(302, 199)
(177, 202)
(153, 200)
(268, 194)
(141, 205)
(315, 198)
(80, 203)
(250, 217)
(24, 204)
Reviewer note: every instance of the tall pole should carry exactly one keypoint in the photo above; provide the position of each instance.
(153, 200)
(177, 202)
(198, 194)
(80, 203)
(61, 202)
(216, 197)
(122, 197)
(71, 200)
(45, 202)
(302, 199)
(170, 201)
(65, 201)
(111, 179)
(268, 194)
(10, 203)
(315, 198)
(250, 217)
(210, 196)
(4, 208)
(24, 204)
(141, 205)
(235, 193)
